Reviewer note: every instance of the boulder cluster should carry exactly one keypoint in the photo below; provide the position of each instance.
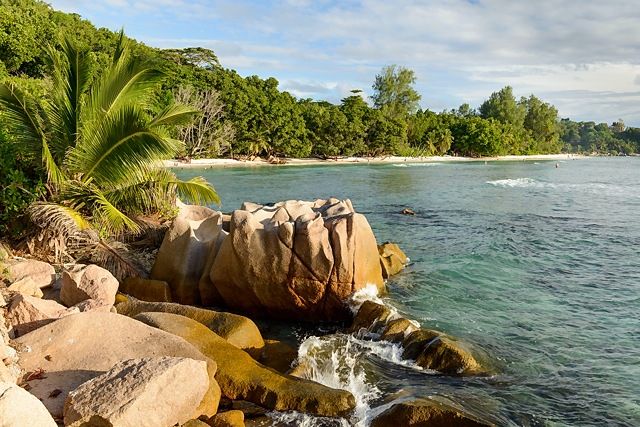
(78, 348)
(292, 260)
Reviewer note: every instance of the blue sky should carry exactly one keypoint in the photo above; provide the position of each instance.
(581, 56)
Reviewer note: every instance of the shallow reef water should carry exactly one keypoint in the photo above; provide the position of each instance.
(537, 265)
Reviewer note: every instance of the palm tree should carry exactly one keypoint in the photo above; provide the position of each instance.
(101, 149)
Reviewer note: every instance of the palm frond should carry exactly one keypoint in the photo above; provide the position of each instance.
(64, 219)
(24, 117)
(197, 190)
(119, 145)
(72, 76)
(174, 115)
(110, 218)
(113, 256)
(128, 80)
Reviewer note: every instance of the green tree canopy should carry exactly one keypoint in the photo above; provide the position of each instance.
(100, 148)
(393, 91)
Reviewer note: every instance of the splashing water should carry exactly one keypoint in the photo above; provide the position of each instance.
(368, 293)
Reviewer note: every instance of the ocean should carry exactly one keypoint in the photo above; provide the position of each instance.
(537, 265)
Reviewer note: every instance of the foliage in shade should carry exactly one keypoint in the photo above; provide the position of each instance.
(101, 149)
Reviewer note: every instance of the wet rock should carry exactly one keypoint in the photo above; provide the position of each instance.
(423, 413)
(77, 348)
(238, 330)
(187, 252)
(146, 289)
(397, 330)
(84, 282)
(241, 377)
(19, 408)
(442, 353)
(371, 316)
(154, 392)
(278, 355)
(392, 259)
(416, 341)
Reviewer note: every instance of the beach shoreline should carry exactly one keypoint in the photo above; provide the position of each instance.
(225, 162)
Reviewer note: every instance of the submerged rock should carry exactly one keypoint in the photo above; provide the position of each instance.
(423, 413)
(371, 316)
(241, 377)
(430, 349)
(442, 353)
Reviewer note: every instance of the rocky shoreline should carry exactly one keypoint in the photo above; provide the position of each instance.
(82, 349)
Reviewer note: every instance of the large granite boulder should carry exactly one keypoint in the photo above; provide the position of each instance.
(27, 313)
(40, 272)
(423, 413)
(187, 251)
(241, 377)
(294, 260)
(80, 347)
(240, 331)
(153, 392)
(83, 282)
(19, 408)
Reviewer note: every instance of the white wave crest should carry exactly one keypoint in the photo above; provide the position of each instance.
(338, 361)
(334, 361)
(368, 293)
(517, 182)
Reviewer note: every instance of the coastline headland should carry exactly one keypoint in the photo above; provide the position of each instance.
(257, 161)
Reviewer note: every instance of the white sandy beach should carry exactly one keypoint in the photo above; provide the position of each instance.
(196, 163)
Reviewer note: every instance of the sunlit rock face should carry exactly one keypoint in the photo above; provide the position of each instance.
(294, 260)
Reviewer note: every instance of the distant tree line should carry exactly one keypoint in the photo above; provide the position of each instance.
(250, 116)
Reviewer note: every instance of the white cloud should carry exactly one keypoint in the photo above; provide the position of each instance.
(461, 50)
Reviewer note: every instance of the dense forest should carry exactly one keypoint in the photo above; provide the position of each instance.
(250, 116)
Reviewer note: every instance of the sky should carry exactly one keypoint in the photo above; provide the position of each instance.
(582, 56)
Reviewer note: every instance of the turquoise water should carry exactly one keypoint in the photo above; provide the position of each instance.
(539, 266)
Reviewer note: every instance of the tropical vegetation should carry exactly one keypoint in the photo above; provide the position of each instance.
(88, 115)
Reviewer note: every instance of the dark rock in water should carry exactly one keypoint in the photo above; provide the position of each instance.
(392, 259)
(442, 353)
(408, 212)
(278, 355)
(396, 330)
(416, 341)
(371, 316)
(425, 413)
